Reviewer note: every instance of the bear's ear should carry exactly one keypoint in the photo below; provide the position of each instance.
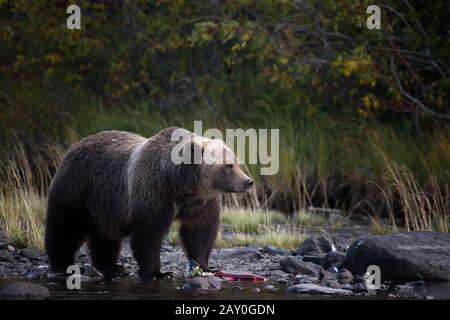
(196, 153)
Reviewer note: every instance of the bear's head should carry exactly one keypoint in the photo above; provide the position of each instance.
(219, 167)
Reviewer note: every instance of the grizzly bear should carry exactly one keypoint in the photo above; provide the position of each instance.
(116, 184)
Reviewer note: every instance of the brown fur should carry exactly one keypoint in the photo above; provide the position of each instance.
(92, 198)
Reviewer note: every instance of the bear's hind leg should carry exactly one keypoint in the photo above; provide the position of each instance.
(63, 237)
(104, 255)
(198, 231)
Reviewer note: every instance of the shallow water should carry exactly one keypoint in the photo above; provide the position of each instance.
(133, 288)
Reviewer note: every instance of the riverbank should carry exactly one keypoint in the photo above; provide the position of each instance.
(317, 269)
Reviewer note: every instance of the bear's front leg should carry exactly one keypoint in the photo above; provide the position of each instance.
(147, 233)
(198, 231)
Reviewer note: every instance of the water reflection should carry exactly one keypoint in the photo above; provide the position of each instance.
(134, 288)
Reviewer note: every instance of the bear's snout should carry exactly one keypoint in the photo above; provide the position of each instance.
(244, 186)
(249, 183)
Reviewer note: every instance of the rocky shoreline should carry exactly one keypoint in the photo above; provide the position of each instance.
(321, 265)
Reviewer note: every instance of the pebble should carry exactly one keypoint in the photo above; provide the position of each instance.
(269, 287)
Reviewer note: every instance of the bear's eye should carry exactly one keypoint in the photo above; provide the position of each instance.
(229, 166)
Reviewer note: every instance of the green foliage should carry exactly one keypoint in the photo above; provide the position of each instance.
(317, 51)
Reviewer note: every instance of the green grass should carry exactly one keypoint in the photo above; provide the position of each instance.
(253, 227)
(279, 236)
(259, 227)
(379, 228)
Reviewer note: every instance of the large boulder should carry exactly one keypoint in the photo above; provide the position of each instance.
(405, 255)
(23, 291)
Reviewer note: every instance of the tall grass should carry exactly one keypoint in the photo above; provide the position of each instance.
(359, 166)
(423, 208)
(23, 194)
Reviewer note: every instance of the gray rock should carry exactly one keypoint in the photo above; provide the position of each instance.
(419, 283)
(345, 276)
(24, 260)
(270, 287)
(311, 288)
(3, 245)
(329, 279)
(6, 256)
(359, 287)
(316, 259)
(31, 254)
(23, 291)
(92, 271)
(384, 287)
(332, 284)
(38, 273)
(332, 258)
(11, 248)
(331, 275)
(242, 252)
(84, 278)
(316, 245)
(295, 265)
(279, 276)
(347, 286)
(167, 248)
(404, 288)
(305, 279)
(56, 275)
(203, 283)
(405, 255)
(275, 251)
(333, 270)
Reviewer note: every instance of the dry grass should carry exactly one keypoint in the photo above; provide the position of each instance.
(24, 184)
(23, 196)
(424, 208)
